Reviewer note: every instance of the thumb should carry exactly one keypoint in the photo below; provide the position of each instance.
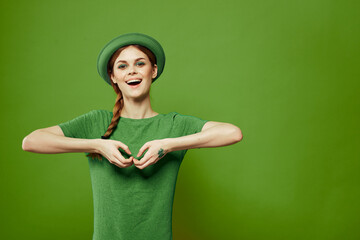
(123, 146)
(142, 149)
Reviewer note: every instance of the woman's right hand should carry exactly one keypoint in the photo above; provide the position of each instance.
(110, 150)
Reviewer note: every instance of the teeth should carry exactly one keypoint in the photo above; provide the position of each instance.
(135, 80)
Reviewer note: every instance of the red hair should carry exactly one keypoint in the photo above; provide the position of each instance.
(119, 102)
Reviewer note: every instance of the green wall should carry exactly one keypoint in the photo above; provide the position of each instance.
(285, 72)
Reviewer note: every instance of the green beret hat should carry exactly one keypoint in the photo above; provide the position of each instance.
(124, 40)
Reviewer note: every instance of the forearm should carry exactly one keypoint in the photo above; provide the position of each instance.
(217, 136)
(45, 142)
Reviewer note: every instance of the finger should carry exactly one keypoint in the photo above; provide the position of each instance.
(116, 163)
(124, 147)
(122, 165)
(128, 164)
(115, 160)
(120, 159)
(131, 160)
(135, 161)
(142, 149)
(148, 163)
(144, 159)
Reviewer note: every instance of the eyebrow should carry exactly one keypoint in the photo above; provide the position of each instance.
(135, 60)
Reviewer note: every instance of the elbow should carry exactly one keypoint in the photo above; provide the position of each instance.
(26, 144)
(237, 135)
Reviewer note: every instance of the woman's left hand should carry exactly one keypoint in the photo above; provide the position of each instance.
(157, 149)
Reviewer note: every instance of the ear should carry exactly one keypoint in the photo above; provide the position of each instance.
(112, 78)
(154, 71)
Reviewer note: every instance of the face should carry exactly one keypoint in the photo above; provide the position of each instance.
(133, 64)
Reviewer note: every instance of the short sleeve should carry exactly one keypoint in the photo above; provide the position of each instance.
(189, 124)
(81, 126)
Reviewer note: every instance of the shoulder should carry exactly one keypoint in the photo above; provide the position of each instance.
(181, 116)
(102, 112)
(188, 124)
(99, 114)
(175, 116)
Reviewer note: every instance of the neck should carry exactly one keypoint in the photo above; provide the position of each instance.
(137, 109)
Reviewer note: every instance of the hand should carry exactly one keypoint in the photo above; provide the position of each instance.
(157, 149)
(110, 150)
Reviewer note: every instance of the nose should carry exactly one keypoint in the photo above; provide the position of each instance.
(132, 70)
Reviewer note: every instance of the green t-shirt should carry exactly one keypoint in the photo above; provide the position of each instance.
(132, 203)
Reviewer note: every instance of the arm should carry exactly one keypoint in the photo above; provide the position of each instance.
(52, 140)
(213, 134)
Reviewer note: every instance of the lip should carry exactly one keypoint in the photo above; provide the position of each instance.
(133, 79)
(134, 86)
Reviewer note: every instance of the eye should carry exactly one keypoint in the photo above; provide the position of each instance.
(122, 65)
(140, 63)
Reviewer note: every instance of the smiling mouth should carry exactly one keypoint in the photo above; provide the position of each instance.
(134, 82)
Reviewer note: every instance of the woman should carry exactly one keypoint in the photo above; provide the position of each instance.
(133, 191)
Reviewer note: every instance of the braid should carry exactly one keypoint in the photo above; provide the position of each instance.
(119, 104)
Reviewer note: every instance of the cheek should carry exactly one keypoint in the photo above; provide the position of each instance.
(119, 74)
(148, 72)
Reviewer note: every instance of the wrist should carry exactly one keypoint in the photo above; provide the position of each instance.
(95, 145)
(169, 144)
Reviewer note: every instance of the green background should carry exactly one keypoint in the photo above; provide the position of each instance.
(285, 72)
